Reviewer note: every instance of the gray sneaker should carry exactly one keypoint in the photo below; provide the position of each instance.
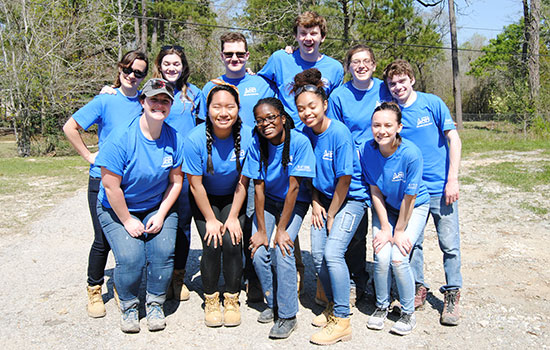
(155, 317)
(405, 324)
(376, 320)
(129, 321)
(283, 327)
(266, 316)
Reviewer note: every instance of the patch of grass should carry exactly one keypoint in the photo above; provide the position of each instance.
(522, 176)
(467, 180)
(536, 209)
(490, 136)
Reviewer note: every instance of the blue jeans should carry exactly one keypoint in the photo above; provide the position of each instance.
(277, 273)
(391, 255)
(328, 252)
(183, 237)
(446, 223)
(151, 252)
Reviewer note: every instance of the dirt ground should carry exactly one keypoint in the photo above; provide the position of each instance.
(505, 299)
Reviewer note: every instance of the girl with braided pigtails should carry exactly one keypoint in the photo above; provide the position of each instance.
(278, 160)
(213, 155)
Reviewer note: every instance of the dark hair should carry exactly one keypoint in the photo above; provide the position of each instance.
(309, 80)
(310, 19)
(181, 83)
(127, 60)
(393, 107)
(289, 124)
(398, 67)
(233, 37)
(235, 129)
(355, 49)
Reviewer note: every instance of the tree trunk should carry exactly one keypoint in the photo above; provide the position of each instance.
(119, 29)
(136, 25)
(533, 62)
(143, 43)
(456, 74)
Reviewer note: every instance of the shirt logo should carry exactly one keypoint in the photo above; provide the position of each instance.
(327, 155)
(250, 91)
(290, 159)
(400, 176)
(424, 121)
(412, 186)
(167, 162)
(234, 158)
(306, 168)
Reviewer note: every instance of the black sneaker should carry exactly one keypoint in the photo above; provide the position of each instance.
(283, 327)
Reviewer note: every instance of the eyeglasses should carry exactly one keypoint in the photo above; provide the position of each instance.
(175, 47)
(240, 55)
(366, 62)
(137, 73)
(269, 120)
(161, 84)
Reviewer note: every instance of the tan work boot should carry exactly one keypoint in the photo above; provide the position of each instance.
(322, 319)
(212, 310)
(320, 296)
(177, 287)
(96, 307)
(337, 329)
(231, 310)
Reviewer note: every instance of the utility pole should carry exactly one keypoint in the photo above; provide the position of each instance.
(454, 57)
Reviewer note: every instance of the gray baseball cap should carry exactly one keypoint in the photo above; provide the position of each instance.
(157, 86)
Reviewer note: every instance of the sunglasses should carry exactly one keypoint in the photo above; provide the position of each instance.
(161, 84)
(175, 47)
(269, 120)
(308, 87)
(240, 55)
(137, 73)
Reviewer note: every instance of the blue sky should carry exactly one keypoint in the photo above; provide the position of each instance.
(486, 17)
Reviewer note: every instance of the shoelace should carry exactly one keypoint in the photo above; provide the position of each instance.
(155, 311)
(450, 298)
(379, 313)
(212, 304)
(330, 324)
(130, 314)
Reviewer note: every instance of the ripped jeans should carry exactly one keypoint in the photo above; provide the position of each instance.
(328, 252)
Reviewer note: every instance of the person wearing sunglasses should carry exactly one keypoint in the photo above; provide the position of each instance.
(141, 180)
(234, 55)
(252, 88)
(107, 112)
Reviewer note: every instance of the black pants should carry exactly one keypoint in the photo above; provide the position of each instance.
(100, 247)
(211, 260)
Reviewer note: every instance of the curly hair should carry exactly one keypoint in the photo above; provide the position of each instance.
(310, 81)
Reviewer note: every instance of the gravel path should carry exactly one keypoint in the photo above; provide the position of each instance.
(505, 302)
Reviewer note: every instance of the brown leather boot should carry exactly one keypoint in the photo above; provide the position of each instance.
(231, 310)
(212, 310)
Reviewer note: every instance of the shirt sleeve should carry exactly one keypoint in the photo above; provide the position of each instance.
(112, 154)
(251, 167)
(303, 161)
(268, 71)
(192, 157)
(365, 157)
(344, 155)
(334, 110)
(90, 113)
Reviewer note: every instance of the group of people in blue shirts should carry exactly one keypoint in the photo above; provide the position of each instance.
(172, 152)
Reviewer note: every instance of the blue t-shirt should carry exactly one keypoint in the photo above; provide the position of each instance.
(355, 107)
(424, 123)
(108, 112)
(143, 164)
(225, 177)
(336, 156)
(397, 175)
(281, 68)
(252, 88)
(301, 164)
(184, 111)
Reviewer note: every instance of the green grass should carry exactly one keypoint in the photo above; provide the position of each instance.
(538, 209)
(523, 176)
(480, 137)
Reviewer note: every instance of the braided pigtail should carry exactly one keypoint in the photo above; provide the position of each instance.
(289, 124)
(236, 130)
(264, 152)
(209, 141)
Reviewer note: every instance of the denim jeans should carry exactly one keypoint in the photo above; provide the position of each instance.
(277, 273)
(99, 251)
(151, 252)
(183, 237)
(211, 261)
(446, 223)
(391, 255)
(328, 252)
